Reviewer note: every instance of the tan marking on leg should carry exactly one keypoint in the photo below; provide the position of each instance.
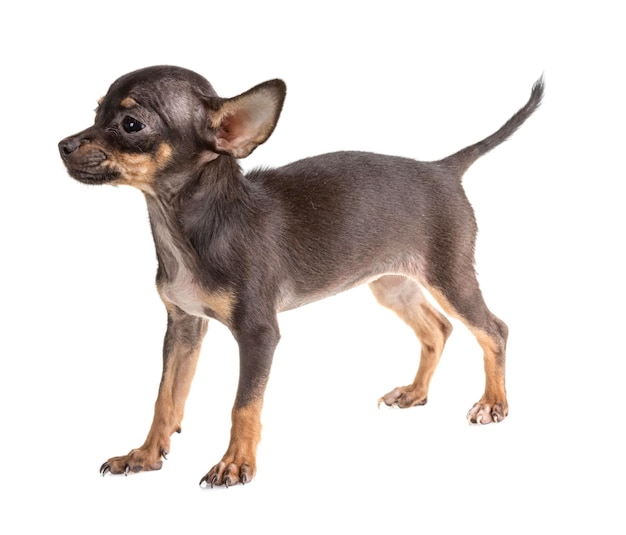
(180, 367)
(175, 386)
(221, 304)
(183, 292)
(239, 462)
(405, 298)
(493, 406)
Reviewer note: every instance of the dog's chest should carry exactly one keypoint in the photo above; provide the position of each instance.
(178, 285)
(182, 291)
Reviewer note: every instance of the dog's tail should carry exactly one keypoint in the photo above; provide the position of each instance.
(463, 159)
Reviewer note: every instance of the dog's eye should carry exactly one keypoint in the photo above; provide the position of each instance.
(131, 125)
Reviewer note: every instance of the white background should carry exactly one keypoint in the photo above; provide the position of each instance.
(82, 324)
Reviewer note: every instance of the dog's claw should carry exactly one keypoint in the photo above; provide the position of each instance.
(126, 470)
(393, 405)
(205, 481)
(228, 474)
(483, 413)
(104, 469)
(164, 454)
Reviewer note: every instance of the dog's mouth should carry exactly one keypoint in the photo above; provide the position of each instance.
(92, 176)
(90, 163)
(89, 166)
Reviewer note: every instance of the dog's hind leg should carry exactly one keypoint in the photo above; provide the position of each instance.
(405, 297)
(453, 284)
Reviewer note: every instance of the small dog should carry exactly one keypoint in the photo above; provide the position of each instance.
(239, 248)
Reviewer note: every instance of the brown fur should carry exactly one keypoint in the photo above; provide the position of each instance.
(406, 299)
(239, 462)
(181, 352)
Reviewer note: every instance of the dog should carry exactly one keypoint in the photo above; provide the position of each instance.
(239, 248)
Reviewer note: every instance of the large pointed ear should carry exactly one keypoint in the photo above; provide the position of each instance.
(240, 124)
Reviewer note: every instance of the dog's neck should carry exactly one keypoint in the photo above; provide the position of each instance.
(185, 219)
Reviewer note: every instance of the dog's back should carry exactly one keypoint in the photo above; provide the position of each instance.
(334, 206)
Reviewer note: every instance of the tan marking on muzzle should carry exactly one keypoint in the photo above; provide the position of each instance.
(139, 169)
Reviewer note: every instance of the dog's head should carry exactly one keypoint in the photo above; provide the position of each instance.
(162, 120)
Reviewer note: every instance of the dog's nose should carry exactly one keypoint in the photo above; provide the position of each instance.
(69, 145)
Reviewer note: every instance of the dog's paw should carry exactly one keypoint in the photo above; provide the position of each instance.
(139, 460)
(229, 473)
(404, 397)
(486, 413)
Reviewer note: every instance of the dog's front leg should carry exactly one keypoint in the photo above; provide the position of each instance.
(181, 349)
(257, 342)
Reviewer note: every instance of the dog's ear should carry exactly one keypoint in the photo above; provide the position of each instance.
(240, 124)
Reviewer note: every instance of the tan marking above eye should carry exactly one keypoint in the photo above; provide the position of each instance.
(128, 102)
